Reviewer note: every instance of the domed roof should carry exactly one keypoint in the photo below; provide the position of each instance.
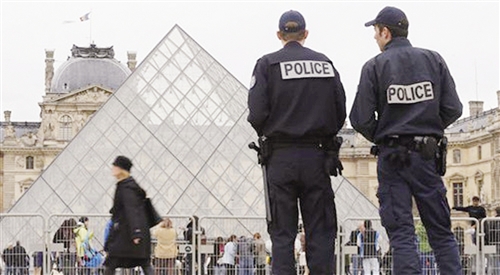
(89, 66)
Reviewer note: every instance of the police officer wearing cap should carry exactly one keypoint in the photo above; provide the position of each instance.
(406, 98)
(297, 102)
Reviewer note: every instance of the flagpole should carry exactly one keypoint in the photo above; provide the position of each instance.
(90, 27)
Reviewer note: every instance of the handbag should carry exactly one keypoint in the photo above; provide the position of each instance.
(152, 216)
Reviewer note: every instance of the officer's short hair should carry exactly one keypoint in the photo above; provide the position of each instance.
(395, 31)
(293, 36)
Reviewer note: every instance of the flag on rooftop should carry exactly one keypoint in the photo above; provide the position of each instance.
(85, 17)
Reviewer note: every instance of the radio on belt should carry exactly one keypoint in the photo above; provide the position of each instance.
(306, 69)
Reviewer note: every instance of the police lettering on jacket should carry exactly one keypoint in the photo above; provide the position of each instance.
(404, 91)
(306, 69)
(408, 94)
(296, 92)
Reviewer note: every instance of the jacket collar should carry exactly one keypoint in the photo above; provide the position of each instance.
(397, 42)
(292, 44)
(125, 180)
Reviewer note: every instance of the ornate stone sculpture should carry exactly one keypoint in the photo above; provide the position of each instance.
(10, 132)
(456, 156)
(49, 69)
(48, 127)
(10, 138)
(92, 52)
(48, 131)
(28, 139)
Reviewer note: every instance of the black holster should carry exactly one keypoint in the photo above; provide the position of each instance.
(265, 150)
(429, 148)
(333, 165)
(441, 156)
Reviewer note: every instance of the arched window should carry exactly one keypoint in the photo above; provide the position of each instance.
(65, 128)
(30, 162)
(457, 157)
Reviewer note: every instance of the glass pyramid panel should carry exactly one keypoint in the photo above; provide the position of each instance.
(181, 117)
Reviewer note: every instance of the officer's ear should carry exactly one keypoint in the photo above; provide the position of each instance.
(306, 33)
(279, 35)
(386, 33)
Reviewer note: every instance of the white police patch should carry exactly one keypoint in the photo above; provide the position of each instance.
(409, 94)
(252, 81)
(306, 69)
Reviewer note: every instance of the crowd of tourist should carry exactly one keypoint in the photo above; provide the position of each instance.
(79, 255)
(240, 255)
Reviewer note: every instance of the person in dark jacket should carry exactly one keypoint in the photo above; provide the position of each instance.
(65, 234)
(355, 258)
(296, 106)
(368, 242)
(129, 242)
(21, 260)
(475, 210)
(406, 98)
(8, 259)
(67, 258)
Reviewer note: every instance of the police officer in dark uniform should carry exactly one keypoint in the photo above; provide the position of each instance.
(406, 98)
(297, 103)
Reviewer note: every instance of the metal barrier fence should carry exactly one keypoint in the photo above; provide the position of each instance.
(222, 245)
(378, 255)
(22, 240)
(76, 245)
(490, 250)
(233, 245)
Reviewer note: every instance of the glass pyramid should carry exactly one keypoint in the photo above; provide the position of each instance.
(181, 117)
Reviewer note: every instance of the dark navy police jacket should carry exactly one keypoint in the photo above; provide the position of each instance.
(405, 91)
(296, 92)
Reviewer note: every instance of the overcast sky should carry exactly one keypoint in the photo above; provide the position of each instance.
(466, 34)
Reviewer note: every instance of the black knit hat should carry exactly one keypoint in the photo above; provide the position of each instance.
(123, 162)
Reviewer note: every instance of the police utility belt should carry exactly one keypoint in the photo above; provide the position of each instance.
(305, 142)
(267, 145)
(331, 145)
(428, 147)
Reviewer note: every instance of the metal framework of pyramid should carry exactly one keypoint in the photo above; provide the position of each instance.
(181, 117)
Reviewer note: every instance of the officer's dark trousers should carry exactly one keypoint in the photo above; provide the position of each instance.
(299, 174)
(397, 184)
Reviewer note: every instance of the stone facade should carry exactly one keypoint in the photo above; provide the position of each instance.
(26, 148)
(474, 158)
